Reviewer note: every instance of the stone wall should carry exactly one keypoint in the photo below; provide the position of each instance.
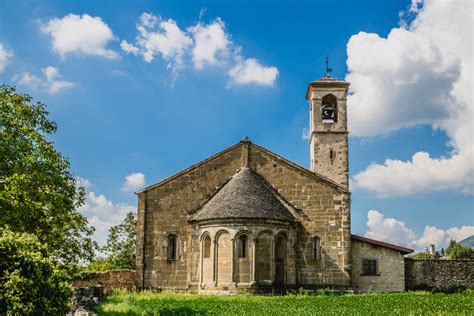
(390, 269)
(108, 280)
(323, 210)
(439, 274)
(166, 208)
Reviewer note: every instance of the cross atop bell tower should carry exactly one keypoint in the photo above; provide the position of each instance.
(328, 127)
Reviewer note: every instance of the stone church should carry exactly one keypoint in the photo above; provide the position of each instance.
(249, 220)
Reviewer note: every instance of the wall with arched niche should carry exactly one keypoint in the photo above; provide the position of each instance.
(243, 268)
(207, 265)
(264, 260)
(223, 259)
(237, 256)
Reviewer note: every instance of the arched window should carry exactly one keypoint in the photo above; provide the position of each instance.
(172, 249)
(243, 246)
(316, 248)
(329, 109)
(207, 247)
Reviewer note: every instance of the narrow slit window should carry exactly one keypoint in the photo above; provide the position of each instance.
(243, 242)
(332, 155)
(316, 248)
(207, 247)
(172, 247)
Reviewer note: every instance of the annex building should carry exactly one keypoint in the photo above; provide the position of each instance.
(247, 219)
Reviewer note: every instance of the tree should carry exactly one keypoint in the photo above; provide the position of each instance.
(120, 248)
(30, 283)
(458, 251)
(38, 193)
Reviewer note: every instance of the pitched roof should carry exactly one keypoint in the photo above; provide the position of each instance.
(403, 250)
(314, 175)
(245, 195)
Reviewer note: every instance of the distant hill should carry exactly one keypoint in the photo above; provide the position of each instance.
(469, 241)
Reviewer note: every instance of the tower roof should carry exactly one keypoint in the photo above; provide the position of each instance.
(326, 81)
(245, 195)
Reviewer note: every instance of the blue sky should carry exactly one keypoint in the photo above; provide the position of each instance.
(159, 102)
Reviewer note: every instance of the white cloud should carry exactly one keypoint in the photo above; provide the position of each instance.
(52, 82)
(394, 231)
(80, 34)
(5, 56)
(157, 36)
(251, 71)
(82, 182)
(103, 213)
(206, 44)
(419, 75)
(202, 12)
(133, 182)
(388, 229)
(209, 41)
(129, 48)
(305, 133)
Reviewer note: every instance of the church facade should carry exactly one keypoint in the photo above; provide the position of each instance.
(249, 220)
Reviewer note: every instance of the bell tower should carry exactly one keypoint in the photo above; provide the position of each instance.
(328, 135)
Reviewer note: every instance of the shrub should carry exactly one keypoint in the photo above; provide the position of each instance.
(30, 282)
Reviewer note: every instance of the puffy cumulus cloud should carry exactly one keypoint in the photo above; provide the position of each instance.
(133, 182)
(388, 229)
(199, 45)
(395, 231)
(52, 81)
(251, 71)
(102, 213)
(158, 36)
(419, 74)
(422, 173)
(5, 56)
(210, 41)
(80, 34)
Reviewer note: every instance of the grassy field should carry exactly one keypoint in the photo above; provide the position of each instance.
(414, 303)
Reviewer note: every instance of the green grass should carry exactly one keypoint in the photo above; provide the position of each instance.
(411, 303)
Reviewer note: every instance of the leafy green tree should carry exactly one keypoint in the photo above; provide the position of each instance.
(120, 247)
(30, 283)
(458, 251)
(38, 193)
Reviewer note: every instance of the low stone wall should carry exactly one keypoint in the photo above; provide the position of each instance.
(438, 274)
(108, 280)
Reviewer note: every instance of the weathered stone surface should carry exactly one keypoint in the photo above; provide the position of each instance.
(108, 280)
(295, 210)
(390, 268)
(320, 207)
(439, 274)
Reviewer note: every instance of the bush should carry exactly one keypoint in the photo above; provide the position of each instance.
(30, 282)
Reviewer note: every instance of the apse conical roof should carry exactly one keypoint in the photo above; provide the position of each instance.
(245, 195)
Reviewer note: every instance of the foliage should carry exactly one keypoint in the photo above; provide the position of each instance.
(458, 251)
(30, 282)
(411, 303)
(422, 256)
(120, 247)
(38, 193)
(100, 264)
